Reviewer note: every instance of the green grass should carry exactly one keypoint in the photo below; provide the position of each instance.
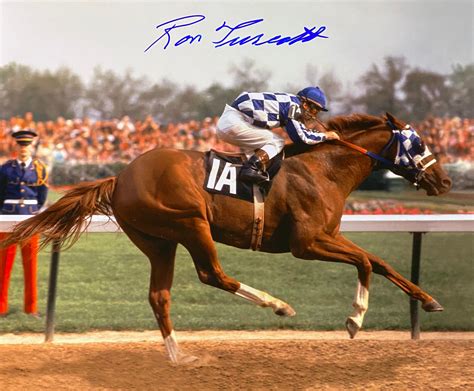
(103, 284)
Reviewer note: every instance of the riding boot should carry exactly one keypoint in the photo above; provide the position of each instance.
(254, 169)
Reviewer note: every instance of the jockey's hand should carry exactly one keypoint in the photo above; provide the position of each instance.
(332, 136)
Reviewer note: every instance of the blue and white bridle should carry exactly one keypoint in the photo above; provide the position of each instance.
(413, 156)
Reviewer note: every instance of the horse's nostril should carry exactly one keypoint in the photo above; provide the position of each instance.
(446, 182)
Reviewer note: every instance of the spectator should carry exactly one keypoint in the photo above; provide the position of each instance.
(60, 154)
(44, 152)
(126, 126)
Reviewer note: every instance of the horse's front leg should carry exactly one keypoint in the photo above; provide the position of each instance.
(383, 268)
(327, 248)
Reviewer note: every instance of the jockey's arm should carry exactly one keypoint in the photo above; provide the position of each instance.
(318, 126)
(298, 133)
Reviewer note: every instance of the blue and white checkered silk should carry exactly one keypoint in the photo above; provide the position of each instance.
(272, 109)
(411, 149)
(266, 109)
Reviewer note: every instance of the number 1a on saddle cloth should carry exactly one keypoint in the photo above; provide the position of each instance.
(222, 173)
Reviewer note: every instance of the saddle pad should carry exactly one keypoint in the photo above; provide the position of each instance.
(222, 173)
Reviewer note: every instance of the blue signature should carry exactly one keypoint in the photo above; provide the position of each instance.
(230, 38)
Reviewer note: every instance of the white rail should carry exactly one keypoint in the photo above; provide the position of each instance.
(350, 223)
(408, 223)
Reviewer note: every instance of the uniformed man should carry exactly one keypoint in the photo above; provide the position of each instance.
(23, 191)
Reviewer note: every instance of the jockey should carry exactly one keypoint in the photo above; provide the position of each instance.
(246, 123)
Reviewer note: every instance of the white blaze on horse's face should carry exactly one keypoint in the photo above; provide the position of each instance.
(412, 151)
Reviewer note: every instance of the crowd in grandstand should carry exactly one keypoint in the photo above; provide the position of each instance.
(450, 139)
(86, 141)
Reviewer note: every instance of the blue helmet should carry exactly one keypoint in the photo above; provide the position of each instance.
(315, 95)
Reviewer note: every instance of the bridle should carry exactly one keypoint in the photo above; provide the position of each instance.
(408, 164)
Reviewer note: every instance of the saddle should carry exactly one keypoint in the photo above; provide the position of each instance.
(222, 177)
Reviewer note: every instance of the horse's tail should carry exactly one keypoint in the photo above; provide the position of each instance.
(65, 220)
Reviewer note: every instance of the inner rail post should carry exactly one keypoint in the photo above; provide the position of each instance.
(415, 278)
(53, 282)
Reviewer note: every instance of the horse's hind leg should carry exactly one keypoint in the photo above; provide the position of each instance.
(161, 254)
(161, 279)
(204, 254)
(381, 267)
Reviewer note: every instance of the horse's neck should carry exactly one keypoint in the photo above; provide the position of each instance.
(346, 166)
(358, 166)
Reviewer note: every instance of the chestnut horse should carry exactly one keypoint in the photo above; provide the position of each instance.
(159, 201)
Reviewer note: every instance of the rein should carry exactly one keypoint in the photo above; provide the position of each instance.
(369, 153)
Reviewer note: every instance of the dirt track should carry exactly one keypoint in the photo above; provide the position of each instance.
(244, 361)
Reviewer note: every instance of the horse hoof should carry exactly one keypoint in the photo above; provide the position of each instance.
(285, 311)
(352, 327)
(432, 306)
(188, 359)
(184, 359)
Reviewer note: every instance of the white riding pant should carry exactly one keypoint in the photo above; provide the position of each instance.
(234, 127)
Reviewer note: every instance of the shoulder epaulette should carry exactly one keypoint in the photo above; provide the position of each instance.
(41, 172)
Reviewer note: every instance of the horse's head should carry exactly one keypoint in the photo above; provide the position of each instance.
(413, 159)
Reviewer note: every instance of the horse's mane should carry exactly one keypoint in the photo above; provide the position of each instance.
(354, 122)
(344, 124)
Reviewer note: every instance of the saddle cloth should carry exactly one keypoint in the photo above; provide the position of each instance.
(222, 175)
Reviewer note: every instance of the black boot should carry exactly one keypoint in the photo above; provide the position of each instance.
(254, 169)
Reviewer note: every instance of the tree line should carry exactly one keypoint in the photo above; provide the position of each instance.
(409, 92)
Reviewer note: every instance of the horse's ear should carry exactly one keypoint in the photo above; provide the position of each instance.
(390, 117)
(399, 124)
